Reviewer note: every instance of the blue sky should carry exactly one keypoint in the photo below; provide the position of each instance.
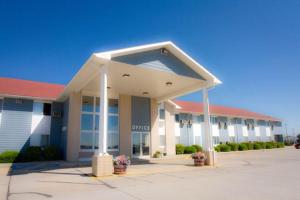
(252, 46)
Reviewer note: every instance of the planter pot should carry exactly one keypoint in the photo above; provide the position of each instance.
(199, 162)
(120, 169)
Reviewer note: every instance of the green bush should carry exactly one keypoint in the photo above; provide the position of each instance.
(233, 146)
(51, 153)
(179, 149)
(269, 145)
(256, 146)
(262, 145)
(250, 146)
(33, 154)
(198, 148)
(217, 148)
(224, 148)
(288, 143)
(8, 156)
(189, 149)
(280, 144)
(157, 154)
(243, 147)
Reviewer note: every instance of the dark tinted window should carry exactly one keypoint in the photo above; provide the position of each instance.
(1, 105)
(47, 109)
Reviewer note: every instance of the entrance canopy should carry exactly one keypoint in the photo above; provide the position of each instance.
(161, 71)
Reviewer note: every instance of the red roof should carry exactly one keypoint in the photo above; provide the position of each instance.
(24, 88)
(193, 107)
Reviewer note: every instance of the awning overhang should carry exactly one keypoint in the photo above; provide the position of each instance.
(141, 81)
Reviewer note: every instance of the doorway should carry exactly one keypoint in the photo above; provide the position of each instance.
(140, 142)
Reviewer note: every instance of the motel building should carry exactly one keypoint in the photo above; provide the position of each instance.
(122, 102)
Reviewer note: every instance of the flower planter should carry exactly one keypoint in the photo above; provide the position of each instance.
(199, 162)
(199, 158)
(120, 169)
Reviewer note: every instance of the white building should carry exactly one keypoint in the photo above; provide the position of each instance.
(227, 124)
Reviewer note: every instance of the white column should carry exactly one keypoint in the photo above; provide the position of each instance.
(103, 111)
(208, 145)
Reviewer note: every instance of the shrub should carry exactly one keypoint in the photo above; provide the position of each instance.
(8, 156)
(51, 153)
(189, 149)
(157, 154)
(243, 147)
(288, 143)
(198, 148)
(280, 144)
(179, 149)
(33, 154)
(269, 145)
(256, 146)
(233, 146)
(217, 148)
(224, 148)
(250, 146)
(262, 145)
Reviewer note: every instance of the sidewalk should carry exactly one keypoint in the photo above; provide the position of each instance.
(4, 180)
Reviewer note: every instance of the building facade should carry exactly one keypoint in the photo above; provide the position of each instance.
(119, 102)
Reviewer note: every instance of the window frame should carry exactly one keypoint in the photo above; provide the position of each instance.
(162, 121)
(95, 131)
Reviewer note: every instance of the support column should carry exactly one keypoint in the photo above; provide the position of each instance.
(208, 144)
(102, 162)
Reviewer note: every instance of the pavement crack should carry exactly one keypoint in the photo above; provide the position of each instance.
(36, 193)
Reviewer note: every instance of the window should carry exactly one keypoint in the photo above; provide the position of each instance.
(90, 123)
(1, 104)
(47, 109)
(177, 117)
(225, 126)
(86, 140)
(216, 140)
(198, 118)
(88, 104)
(248, 126)
(236, 121)
(161, 125)
(161, 113)
(87, 122)
(40, 108)
(231, 139)
(220, 125)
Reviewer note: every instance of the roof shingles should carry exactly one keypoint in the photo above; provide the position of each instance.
(193, 107)
(31, 89)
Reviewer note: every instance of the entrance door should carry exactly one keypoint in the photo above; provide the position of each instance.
(140, 144)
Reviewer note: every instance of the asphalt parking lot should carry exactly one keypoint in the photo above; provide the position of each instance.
(266, 174)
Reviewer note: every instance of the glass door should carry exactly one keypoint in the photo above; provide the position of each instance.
(145, 144)
(136, 144)
(140, 144)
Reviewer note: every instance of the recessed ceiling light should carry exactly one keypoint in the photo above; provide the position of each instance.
(169, 83)
(145, 93)
(126, 75)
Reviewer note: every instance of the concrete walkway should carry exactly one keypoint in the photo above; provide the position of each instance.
(266, 174)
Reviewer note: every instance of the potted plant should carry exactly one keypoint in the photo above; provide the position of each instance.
(199, 158)
(120, 164)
